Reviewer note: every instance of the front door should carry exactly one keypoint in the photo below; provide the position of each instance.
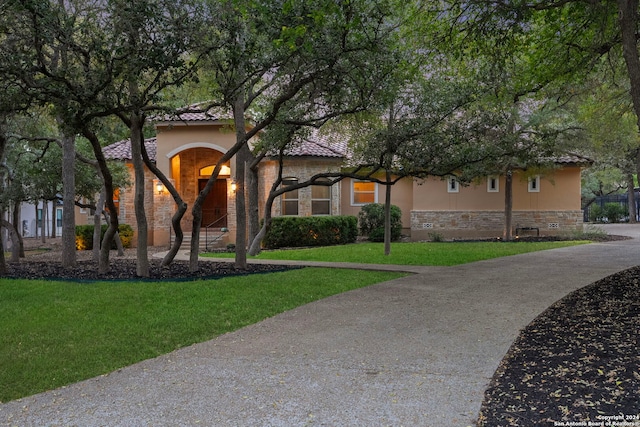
(214, 208)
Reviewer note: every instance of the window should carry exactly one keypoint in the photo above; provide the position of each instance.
(58, 218)
(453, 186)
(534, 184)
(39, 218)
(493, 184)
(290, 198)
(321, 199)
(363, 193)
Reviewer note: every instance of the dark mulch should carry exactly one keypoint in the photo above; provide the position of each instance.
(125, 269)
(577, 363)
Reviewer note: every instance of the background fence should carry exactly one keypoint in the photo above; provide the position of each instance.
(620, 199)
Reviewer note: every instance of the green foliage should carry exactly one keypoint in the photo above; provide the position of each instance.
(596, 213)
(311, 231)
(84, 236)
(614, 212)
(371, 220)
(610, 212)
(436, 237)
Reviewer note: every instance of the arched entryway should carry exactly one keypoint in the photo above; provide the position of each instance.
(191, 168)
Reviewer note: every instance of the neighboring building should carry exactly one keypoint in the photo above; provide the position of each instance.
(186, 150)
(36, 218)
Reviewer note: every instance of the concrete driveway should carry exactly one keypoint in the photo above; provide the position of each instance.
(417, 351)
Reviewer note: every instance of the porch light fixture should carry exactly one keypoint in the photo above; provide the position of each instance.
(159, 187)
(233, 186)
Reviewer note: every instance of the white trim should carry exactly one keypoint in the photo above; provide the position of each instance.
(453, 185)
(534, 184)
(375, 192)
(182, 148)
(496, 179)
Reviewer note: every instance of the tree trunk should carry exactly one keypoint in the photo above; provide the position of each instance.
(3, 146)
(177, 216)
(15, 243)
(16, 229)
(387, 215)
(256, 243)
(633, 214)
(137, 139)
(628, 19)
(3, 261)
(107, 239)
(242, 158)
(97, 225)
(254, 201)
(68, 201)
(508, 206)
(43, 221)
(197, 205)
(35, 229)
(53, 219)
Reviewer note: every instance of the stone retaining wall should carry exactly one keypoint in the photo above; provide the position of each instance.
(488, 224)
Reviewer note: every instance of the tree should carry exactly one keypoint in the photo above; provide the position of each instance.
(266, 56)
(158, 39)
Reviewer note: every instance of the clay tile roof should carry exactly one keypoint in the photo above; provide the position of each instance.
(121, 150)
(319, 145)
(317, 149)
(575, 159)
(196, 113)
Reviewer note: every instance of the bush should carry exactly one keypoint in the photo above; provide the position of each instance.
(596, 213)
(84, 236)
(291, 231)
(371, 219)
(614, 212)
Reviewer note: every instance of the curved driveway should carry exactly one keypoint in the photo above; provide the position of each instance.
(416, 351)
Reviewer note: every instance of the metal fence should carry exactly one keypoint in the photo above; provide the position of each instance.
(621, 199)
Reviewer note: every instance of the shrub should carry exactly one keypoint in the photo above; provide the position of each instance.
(84, 236)
(290, 231)
(614, 212)
(596, 213)
(371, 219)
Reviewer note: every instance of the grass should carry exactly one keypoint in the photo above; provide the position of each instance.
(56, 333)
(427, 254)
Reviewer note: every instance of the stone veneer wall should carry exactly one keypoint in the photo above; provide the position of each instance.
(487, 224)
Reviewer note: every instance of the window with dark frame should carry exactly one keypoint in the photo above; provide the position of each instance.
(290, 198)
(321, 199)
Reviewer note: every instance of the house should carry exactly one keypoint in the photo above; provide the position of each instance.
(186, 150)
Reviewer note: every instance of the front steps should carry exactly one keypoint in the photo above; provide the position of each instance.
(212, 239)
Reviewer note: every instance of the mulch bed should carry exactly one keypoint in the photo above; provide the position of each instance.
(578, 363)
(125, 269)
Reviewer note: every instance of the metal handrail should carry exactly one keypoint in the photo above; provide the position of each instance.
(206, 230)
(217, 220)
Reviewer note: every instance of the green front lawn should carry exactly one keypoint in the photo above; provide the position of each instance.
(56, 333)
(430, 253)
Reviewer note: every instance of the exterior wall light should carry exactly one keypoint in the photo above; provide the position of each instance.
(233, 186)
(159, 187)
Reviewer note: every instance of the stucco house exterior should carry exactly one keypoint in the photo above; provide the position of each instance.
(187, 149)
